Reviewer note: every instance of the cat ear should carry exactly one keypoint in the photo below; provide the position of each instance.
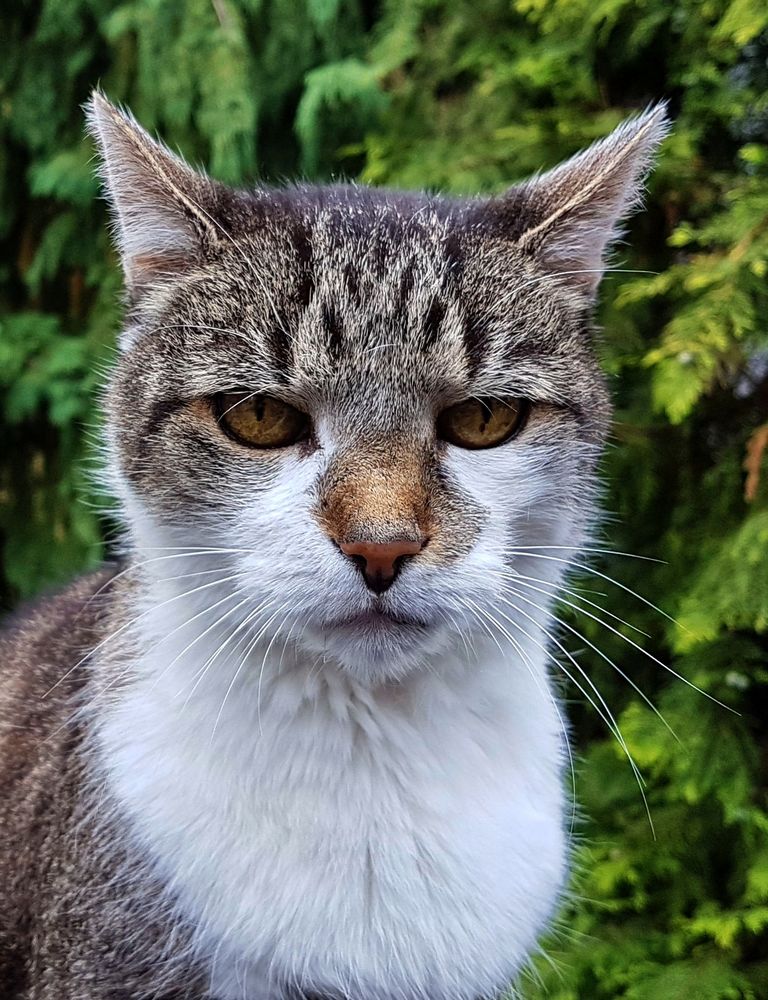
(162, 209)
(568, 217)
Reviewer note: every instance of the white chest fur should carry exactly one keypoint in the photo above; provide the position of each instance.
(404, 842)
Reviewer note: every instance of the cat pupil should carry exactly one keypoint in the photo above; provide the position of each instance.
(486, 417)
(259, 408)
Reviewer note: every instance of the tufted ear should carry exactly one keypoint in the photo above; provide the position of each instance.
(163, 211)
(568, 217)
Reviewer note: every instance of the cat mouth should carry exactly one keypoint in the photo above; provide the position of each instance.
(375, 620)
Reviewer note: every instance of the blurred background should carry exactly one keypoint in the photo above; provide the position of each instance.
(468, 96)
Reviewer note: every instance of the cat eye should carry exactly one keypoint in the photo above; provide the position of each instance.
(259, 420)
(482, 423)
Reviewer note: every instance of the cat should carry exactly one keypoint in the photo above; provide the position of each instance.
(302, 738)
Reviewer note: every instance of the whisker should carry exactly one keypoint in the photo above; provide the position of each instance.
(607, 716)
(146, 562)
(650, 656)
(121, 674)
(297, 616)
(191, 549)
(588, 548)
(601, 654)
(240, 667)
(127, 625)
(459, 631)
(559, 588)
(244, 625)
(548, 694)
(610, 720)
(206, 631)
(603, 576)
(264, 663)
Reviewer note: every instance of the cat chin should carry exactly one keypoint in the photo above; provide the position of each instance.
(378, 657)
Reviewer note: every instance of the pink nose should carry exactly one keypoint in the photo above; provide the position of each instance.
(380, 562)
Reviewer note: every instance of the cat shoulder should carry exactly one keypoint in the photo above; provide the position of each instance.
(43, 641)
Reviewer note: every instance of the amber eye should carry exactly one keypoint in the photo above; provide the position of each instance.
(260, 421)
(482, 423)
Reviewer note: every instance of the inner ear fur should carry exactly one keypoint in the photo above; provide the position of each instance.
(164, 212)
(568, 217)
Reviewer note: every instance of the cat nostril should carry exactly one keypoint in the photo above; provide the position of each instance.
(380, 562)
(359, 562)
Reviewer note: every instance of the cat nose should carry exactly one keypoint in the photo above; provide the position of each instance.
(380, 562)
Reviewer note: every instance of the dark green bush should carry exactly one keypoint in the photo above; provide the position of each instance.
(468, 95)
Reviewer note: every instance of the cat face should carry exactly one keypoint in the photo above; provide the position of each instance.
(373, 403)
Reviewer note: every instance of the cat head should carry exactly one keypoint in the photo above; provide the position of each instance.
(373, 404)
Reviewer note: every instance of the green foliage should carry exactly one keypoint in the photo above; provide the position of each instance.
(468, 95)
